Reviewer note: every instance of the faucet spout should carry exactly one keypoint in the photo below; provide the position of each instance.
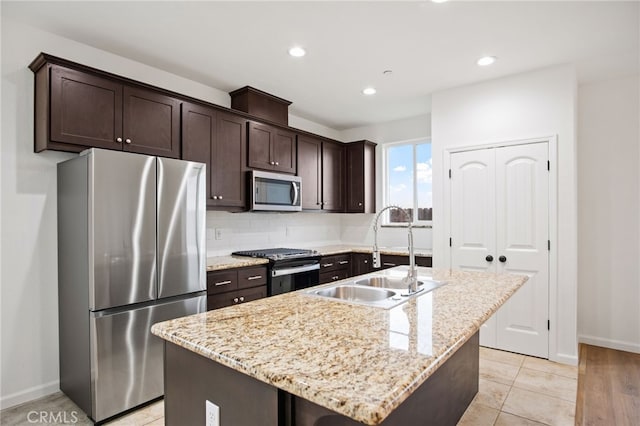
(412, 275)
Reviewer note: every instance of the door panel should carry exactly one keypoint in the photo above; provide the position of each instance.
(309, 169)
(181, 227)
(473, 210)
(333, 176)
(284, 151)
(228, 156)
(127, 359)
(122, 228)
(523, 209)
(260, 156)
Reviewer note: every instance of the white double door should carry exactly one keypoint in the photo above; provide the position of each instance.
(499, 201)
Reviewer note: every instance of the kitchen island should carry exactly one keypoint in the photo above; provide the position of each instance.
(305, 360)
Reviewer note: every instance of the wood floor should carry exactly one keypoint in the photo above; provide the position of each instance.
(608, 387)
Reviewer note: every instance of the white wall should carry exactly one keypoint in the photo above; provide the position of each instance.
(358, 228)
(244, 231)
(524, 106)
(609, 213)
(28, 274)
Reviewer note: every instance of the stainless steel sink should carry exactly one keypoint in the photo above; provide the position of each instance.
(356, 293)
(396, 282)
(382, 289)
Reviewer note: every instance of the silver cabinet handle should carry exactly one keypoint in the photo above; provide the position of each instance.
(119, 140)
(335, 277)
(255, 277)
(127, 140)
(277, 164)
(235, 300)
(223, 283)
(389, 264)
(242, 298)
(366, 261)
(219, 197)
(215, 197)
(326, 265)
(343, 262)
(359, 204)
(296, 193)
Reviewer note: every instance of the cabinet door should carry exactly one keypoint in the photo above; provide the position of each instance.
(151, 123)
(361, 263)
(361, 177)
(249, 294)
(284, 151)
(85, 110)
(310, 170)
(333, 180)
(228, 153)
(198, 138)
(260, 136)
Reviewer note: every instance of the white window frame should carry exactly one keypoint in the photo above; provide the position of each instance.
(385, 178)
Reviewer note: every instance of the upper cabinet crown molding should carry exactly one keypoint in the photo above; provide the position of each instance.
(260, 104)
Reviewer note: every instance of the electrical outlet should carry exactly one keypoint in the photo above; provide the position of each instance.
(213, 414)
(218, 234)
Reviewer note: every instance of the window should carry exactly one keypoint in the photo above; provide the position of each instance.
(408, 182)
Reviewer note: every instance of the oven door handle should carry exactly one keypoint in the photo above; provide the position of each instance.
(294, 270)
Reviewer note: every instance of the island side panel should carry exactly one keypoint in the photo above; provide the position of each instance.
(441, 400)
(190, 380)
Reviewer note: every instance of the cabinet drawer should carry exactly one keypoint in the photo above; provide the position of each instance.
(391, 260)
(220, 282)
(330, 276)
(252, 277)
(332, 263)
(424, 261)
(231, 298)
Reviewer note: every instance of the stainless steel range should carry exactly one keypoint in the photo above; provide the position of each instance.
(289, 269)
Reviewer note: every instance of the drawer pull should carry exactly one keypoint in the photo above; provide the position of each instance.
(326, 265)
(242, 298)
(223, 283)
(343, 262)
(255, 277)
(389, 264)
(235, 300)
(335, 277)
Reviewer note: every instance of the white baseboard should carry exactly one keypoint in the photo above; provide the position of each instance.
(609, 343)
(29, 394)
(564, 359)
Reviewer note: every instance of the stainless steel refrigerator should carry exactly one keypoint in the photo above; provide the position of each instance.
(131, 252)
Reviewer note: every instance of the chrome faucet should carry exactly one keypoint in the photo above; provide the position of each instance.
(412, 274)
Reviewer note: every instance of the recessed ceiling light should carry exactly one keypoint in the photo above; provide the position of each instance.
(486, 60)
(297, 52)
(369, 91)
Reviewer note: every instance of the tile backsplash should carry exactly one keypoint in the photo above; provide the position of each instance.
(228, 232)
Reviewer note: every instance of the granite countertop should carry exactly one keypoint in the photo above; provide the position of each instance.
(358, 361)
(347, 248)
(217, 263)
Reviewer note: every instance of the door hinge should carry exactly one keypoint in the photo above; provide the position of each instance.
(548, 165)
(549, 245)
(450, 242)
(449, 173)
(548, 325)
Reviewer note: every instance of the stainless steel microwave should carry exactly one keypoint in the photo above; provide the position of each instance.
(274, 192)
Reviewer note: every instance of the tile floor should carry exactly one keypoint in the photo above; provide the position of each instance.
(514, 390)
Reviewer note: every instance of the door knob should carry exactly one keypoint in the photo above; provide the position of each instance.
(489, 258)
(502, 259)
(127, 140)
(119, 140)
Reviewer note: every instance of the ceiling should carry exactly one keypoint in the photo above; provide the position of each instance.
(428, 46)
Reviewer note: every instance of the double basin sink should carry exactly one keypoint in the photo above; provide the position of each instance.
(384, 289)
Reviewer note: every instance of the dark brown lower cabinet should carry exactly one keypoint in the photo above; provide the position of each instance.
(191, 380)
(335, 267)
(361, 263)
(391, 260)
(233, 286)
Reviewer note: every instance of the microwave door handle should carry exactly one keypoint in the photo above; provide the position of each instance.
(295, 193)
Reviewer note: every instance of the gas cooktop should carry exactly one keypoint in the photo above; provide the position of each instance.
(278, 253)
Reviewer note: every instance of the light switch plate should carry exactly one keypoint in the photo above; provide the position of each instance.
(212, 414)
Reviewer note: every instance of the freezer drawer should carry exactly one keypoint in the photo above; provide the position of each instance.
(126, 359)
(181, 227)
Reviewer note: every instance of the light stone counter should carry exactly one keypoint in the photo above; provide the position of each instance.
(358, 361)
(218, 263)
(347, 248)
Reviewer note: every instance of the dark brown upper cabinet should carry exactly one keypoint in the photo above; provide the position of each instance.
(218, 139)
(333, 176)
(361, 177)
(271, 148)
(78, 109)
(310, 170)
